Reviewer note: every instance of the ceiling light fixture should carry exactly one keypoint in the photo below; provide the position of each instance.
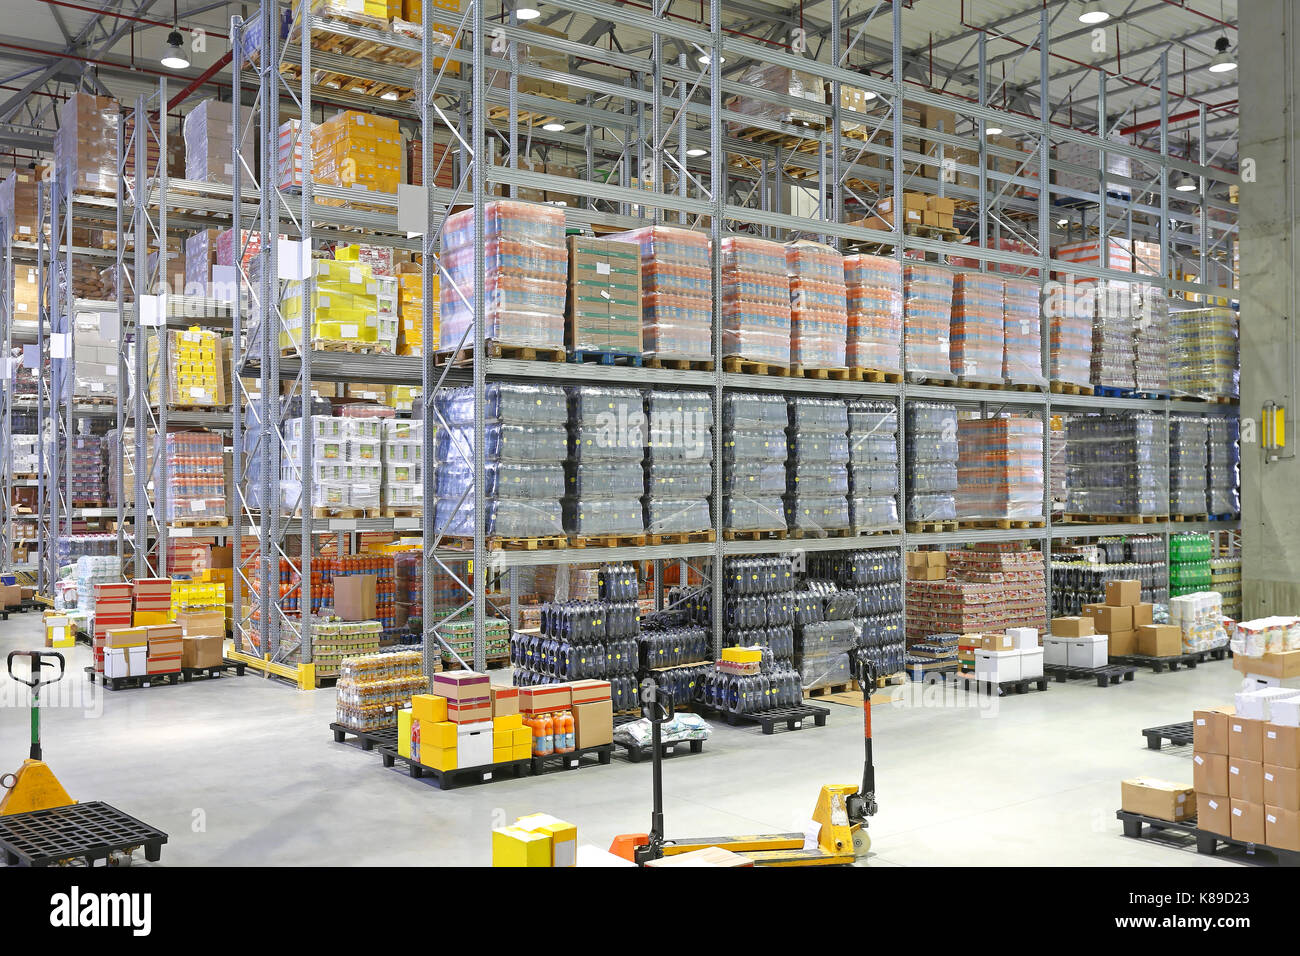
(527, 13)
(1062, 222)
(1224, 61)
(553, 127)
(703, 59)
(993, 131)
(173, 56)
(1185, 183)
(1093, 13)
(695, 152)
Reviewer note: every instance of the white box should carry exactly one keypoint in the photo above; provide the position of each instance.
(1256, 704)
(1089, 651)
(137, 659)
(1031, 663)
(1025, 638)
(474, 744)
(1055, 650)
(115, 664)
(997, 666)
(1285, 712)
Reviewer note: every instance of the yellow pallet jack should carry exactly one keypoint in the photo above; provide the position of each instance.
(841, 812)
(34, 786)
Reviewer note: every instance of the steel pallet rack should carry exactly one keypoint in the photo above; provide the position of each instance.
(462, 105)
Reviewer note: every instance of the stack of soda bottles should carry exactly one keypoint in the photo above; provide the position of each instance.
(755, 301)
(678, 461)
(818, 305)
(875, 579)
(1189, 564)
(874, 285)
(976, 333)
(931, 462)
(1223, 465)
(873, 465)
(1188, 464)
(753, 461)
(927, 314)
(676, 292)
(604, 480)
(817, 475)
(1022, 360)
(1117, 465)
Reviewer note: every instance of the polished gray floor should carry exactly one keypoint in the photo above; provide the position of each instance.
(244, 771)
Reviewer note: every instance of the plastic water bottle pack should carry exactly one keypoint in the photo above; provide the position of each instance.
(931, 462)
(817, 466)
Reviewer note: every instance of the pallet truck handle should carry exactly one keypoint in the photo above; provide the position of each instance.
(38, 661)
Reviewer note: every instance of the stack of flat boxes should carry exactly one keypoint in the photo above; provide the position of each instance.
(1126, 621)
(410, 308)
(464, 723)
(1246, 768)
(1010, 656)
(209, 135)
(96, 357)
(604, 301)
(196, 369)
(1074, 643)
(358, 151)
(402, 483)
(19, 195)
(113, 607)
(345, 304)
(85, 146)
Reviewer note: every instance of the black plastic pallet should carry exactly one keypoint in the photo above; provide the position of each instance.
(573, 759)
(1207, 843)
(583, 356)
(461, 776)
(638, 752)
(1107, 676)
(1005, 687)
(1179, 735)
(792, 717)
(219, 670)
(368, 739)
(1160, 664)
(143, 680)
(82, 831)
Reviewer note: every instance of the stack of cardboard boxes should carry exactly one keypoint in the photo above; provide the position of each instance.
(1001, 657)
(85, 146)
(358, 151)
(143, 650)
(604, 302)
(464, 723)
(1246, 768)
(927, 565)
(919, 209)
(1074, 643)
(1126, 620)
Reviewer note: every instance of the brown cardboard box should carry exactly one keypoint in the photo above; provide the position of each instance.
(1122, 643)
(1214, 813)
(461, 685)
(1124, 593)
(1108, 619)
(1210, 773)
(593, 723)
(1247, 821)
(1092, 610)
(1245, 780)
(1283, 665)
(1158, 798)
(354, 596)
(543, 698)
(936, 559)
(505, 700)
(997, 642)
(1282, 828)
(1072, 626)
(1159, 640)
(1282, 787)
(1142, 614)
(202, 623)
(1281, 745)
(1246, 738)
(201, 651)
(11, 595)
(1210, 729)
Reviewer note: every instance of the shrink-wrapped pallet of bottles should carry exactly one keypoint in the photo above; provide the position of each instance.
(817, 474)
(1069, 329)
(1223, 465)
(196, 476)
(818, 303)
(873, 465)
(604, 480)
(1188, 464)
(874, 285)
(1150, 339)
(1112, 336)
(977, 332)
(1022, 360)
(753, 461)
(1204, 358)
(755, 301)
(1117, 465)
(678, 461)
(1000, 468)
(676, 292)
(931, 445)
(927, 317)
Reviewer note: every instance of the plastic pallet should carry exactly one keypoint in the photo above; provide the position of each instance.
(219, 670)
(573, 759)
(588, 356)
(144, 680)
(461, 776)
(1207, 843)
(1005, 687)
(82, 831)
(368, 739)
(1178, 735)
(637, 753)
(1107, 676)
(1160, 664)
(792, 717)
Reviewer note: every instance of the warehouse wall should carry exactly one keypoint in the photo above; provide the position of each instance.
(1269, 54)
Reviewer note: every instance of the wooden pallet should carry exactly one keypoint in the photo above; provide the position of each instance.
(826, 690)
(98, 400)
(402, 512)
(801, 533)
(739, 366)
(975, 381)
(1180, 518)
(1114, 519)
(773, 534)
(544, 543)
(878, 376)
(1014, 386)
(686, 537)
(822, 374)
(931, 378)
(221, 522)
(789, 141)
(930, 527)
(207, 409)
(462, 358)
(1006, 524)
(326, 513)
(680, 365)
(606, 540)
(1069, 388)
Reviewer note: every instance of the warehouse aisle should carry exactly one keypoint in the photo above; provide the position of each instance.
(244, 771)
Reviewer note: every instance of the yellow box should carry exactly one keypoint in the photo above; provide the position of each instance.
(509, 722)
(500, 754)
(439, 758)
(404, 717)
(512, 846)
(521, 751)
(564, 836)
(59, 631)
(148, 618)
(742, 655)
(502, 738)
(441, 734)
(521, 737)
(429, 707)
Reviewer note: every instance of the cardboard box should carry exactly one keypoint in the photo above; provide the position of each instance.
(1281, 666)
(1245, 780)
(1256, 703)
(1282, 787)
(544, 697)
(997, 666)
(404, 733)
(1088, 650)
(500, 754)
(1210, 730)
(1281, 745)
(1160, 640)
(514, 846)
(1024, 638)
(1122, 643)
(997, 642)
(589, 691)
(1285, 712)
(505, 700)
(438, 758)
(1109, 619)
(440, 734)
(474, 742)
(564, 836)
(201, 651)
(429, 707)
(1282, 828)
(508, 723)
(714, 856)
(1210, 773)
(462, 685)
(1123, 593)
(1142, 614)
(202, 623)
(1071, 626)
(1156, 798)
(1246, 738)
(127, 637)
(1056, 650)
(593, 723)
(1247, 821)
(354, 596)
(1031, 663)
(469, 711)
(1214, 813)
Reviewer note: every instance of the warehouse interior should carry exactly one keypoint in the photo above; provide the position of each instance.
(856, 429)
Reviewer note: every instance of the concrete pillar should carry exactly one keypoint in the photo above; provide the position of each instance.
(1269, 57)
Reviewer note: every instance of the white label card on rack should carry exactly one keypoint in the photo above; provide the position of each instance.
(412, 210)
(108, 326)
(293, 259)
(61, 345)
(31, 356)
(343, 524)
(152, 309)
(182, 532)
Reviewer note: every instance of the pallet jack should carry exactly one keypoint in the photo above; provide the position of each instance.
(34, 786)
(842, 809)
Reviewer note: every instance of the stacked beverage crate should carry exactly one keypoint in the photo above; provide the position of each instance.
(977, 336)
(1188, 464)
(818, 305)
(755, 301)
(875, 311)
(1000, 468)
(927, 314)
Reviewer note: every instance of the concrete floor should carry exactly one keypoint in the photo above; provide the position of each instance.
(244, 771)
